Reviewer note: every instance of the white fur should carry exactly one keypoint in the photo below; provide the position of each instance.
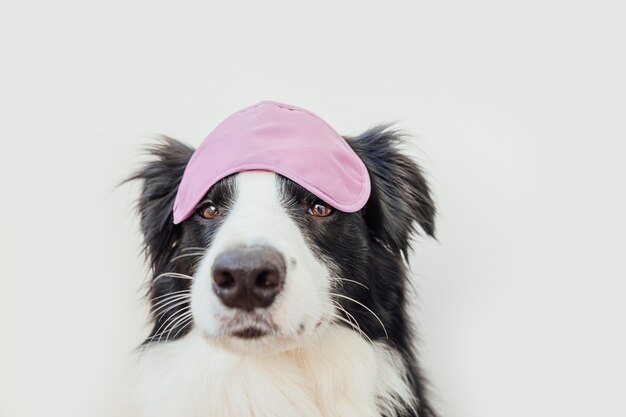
(338, 375)
(309, 367)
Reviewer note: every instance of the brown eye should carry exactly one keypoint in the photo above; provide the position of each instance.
(209, 212)
(320, 209)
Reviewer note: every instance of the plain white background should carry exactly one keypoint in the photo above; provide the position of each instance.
(517, 111)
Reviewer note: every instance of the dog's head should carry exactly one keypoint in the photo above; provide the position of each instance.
(263, 264)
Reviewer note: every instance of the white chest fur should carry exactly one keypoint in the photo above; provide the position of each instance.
(339, 375)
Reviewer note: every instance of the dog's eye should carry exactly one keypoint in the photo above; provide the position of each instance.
(208, 211)
(320, 209)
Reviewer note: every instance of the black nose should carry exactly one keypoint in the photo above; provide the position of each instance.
(248, 277)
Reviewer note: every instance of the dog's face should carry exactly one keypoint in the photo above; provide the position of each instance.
(267, 273)
(263, 265)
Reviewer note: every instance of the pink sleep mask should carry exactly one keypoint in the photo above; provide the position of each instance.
(284, 139)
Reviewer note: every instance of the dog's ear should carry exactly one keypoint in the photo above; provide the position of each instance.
(161, 177)
(400, 198)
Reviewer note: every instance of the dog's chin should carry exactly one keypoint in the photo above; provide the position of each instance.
(257, 339)
(253, 342)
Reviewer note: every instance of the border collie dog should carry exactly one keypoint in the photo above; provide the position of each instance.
(268, 301)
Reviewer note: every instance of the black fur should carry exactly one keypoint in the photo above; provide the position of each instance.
(399, 202)
(400, 198)
(369, 247)
(161, 177)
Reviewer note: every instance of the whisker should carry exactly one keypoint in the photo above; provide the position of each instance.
(164, 326)
(353, 281)
(174, 317)
(175, 323)
(187, 255)
(357, 325)
(157, 309)
(354, 324)
(175, 275)
(193, 248)
(183, 325)
(365, 307)
(356, 328)
(170, 294)
(350, 316)
(172, 275)
(165, 298)
(176, 302)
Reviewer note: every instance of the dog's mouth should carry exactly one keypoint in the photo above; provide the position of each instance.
(248, 326)
(258, 332)
(251, 332)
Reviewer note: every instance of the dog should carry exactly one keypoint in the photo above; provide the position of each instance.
(269, 301)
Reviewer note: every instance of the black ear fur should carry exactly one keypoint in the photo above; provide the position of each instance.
(400, 197)
(161, 177)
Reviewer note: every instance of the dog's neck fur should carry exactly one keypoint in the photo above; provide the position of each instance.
(339, 375)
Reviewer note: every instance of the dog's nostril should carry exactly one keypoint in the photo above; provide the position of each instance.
(268, 279)
(224, 280)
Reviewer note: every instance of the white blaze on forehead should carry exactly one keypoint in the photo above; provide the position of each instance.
(258, 217)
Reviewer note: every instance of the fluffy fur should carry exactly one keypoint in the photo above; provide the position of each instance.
(335, 342)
